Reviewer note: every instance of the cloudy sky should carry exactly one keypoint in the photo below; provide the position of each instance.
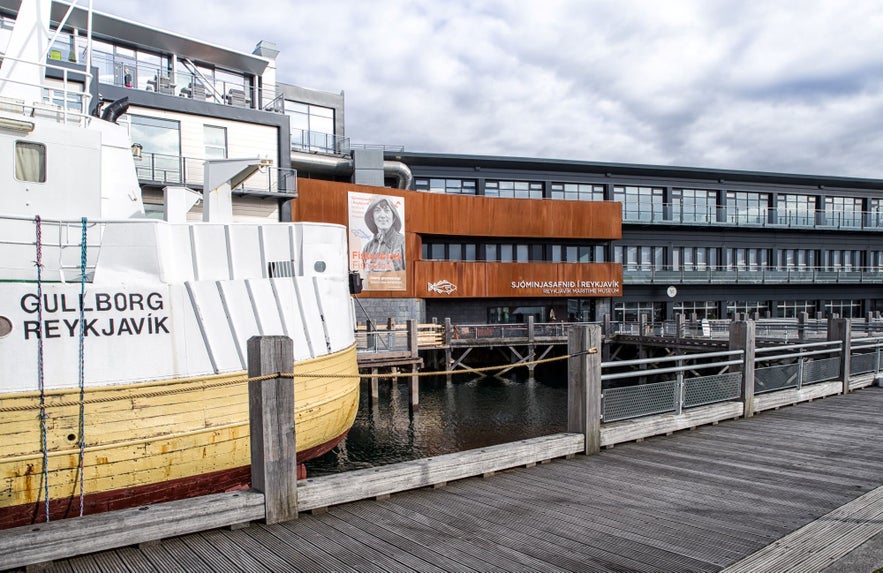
(772, 85)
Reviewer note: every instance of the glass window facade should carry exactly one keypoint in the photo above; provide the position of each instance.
(747, 208)
(701, 308)
(793, 308)
(694, 205)
(795, 210)
(632, 311)
(514, 189)
(215, 139)
(312, 127)
(160, 140)
(514, 252)
(844, 308)
(640, 204)
(843, 212)
(577, 191)
(756, 308)
(450, 186)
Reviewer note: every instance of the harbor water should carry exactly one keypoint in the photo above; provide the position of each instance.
(463, 414)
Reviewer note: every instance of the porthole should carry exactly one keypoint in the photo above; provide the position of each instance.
(5, 326)
(319, 266)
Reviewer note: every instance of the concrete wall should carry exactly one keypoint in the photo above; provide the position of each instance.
(382, 309)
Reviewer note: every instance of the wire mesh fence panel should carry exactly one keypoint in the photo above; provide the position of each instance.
(710, 389)
(821, 370)
(770, 378)
(636, 401)
(862, 363)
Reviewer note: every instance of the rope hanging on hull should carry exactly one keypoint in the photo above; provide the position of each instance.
(81, 430)
(40, 382)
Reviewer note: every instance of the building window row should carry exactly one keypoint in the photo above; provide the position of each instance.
(655, 258)
(450, 186)
(654, 311)
(514, 189)
(649, 204)
(505, 252)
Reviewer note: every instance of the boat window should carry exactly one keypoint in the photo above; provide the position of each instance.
(30, 161)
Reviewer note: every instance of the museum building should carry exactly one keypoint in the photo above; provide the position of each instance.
(478, 238)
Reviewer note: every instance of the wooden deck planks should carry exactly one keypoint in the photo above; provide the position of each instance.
(693, 501)
(822, 541)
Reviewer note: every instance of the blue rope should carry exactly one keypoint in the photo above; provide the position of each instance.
(40, 380)
(82, 426)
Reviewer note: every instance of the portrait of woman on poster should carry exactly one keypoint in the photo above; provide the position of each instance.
(386, 249)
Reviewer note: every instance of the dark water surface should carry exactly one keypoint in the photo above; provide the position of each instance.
(460, 415)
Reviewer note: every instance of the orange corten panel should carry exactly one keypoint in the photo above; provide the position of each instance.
(469, 216)
(464, 215)
(446, 279)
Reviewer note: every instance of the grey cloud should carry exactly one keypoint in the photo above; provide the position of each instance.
(757, 85)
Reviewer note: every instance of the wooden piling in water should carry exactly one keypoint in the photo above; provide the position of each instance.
(271, 423)
(584, 385)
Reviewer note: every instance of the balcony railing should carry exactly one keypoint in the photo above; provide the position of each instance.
(646, 274)
(669, 214)
(151, 77)
(162, 169)
(316, 141)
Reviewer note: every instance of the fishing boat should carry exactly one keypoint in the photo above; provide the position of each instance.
(123, 338)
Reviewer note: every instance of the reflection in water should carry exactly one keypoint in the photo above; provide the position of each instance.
(460, 415)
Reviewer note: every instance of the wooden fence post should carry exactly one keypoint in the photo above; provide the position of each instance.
(841, 329)
(802, 319)
(584, 384)
(271, 423)
(742, 337)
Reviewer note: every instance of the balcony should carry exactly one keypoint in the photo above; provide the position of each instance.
(318, 142)
(669, 214)
(645, 274)
(156, 78)
(159, 169)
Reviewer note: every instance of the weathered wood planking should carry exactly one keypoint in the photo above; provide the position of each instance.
(696, 501)
(372, 482)
(792, 396)
(65, 538)
(816, 545)
(630, 430)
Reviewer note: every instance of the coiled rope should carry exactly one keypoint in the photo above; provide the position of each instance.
(244, 380)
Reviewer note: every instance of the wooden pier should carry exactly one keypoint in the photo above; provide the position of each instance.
(753, 486)
(719, 497)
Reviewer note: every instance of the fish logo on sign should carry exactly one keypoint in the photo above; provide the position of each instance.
(441, 287)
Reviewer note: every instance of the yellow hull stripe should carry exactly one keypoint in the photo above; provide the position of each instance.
(199, 426)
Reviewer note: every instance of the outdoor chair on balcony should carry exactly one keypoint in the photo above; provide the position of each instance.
(195, 90)
(161, 85)
(237, 97)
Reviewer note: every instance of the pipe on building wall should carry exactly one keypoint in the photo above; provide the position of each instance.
(400, 172)
(330, 165)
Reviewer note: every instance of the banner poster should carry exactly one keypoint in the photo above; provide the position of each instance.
(377, 240)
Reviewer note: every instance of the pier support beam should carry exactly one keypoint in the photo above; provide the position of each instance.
(584, 385)
(271, 423)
